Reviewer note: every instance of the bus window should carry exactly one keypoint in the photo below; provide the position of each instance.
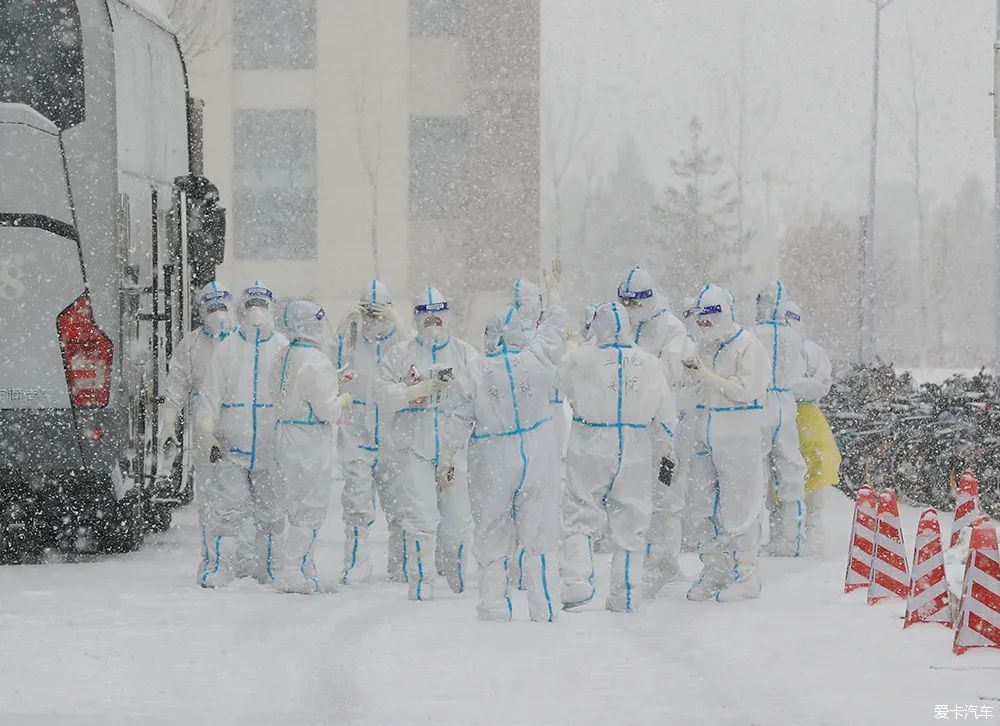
(41, 58)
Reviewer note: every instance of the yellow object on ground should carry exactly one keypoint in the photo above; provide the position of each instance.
(818, 447)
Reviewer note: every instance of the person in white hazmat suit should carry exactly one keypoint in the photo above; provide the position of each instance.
(423, 438)
(812, 388)
(189, 366)
(514, 462)
(658, 332)
(365, 338)
(783, 457)
(727, 485)
(529, 303)
(236, 429)
(618, 392)
(307, 408)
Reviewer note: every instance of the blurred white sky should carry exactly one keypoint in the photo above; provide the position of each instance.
(645, 66)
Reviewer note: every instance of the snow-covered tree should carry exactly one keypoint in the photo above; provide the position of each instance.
(696, 217)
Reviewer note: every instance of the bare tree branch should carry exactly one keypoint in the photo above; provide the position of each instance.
(199, 25)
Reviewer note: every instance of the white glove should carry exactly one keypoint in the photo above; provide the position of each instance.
(388, 313)
(168, 424)
(344, 376)
(553, 282)
(352, 319)
(709, 377)
(345, 401)
(423, 389)
(445, 472)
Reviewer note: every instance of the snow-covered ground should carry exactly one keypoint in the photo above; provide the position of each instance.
(132, 640)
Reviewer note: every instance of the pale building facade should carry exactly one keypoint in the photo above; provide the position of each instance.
(351, 138)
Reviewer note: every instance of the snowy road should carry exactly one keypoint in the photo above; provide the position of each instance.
(131, 640)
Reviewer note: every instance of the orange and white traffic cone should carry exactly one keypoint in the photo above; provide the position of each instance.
(928, 600)
(978, 623)
(859, 558)
(967, 508)
(890, 575)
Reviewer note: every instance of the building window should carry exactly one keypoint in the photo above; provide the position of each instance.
(431, 18)
(439, 149)
(41, 59)
(275, 184)
(274, 35)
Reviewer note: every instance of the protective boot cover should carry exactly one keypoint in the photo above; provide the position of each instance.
(542, 573)
(626, 574)
(217, 569)
(357, 556)
(420, 566)
(715, 575)
(494, 592)
(577, 571)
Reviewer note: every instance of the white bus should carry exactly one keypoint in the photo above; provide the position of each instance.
(96, 144)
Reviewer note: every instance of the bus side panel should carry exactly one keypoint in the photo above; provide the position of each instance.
(90, 155)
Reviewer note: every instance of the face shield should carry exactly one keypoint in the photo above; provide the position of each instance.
(714, 316)
(430, 318)
(215, 308)
(255, 312)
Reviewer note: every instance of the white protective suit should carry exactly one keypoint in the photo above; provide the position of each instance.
(727, 484)
(421, 441)
(813, 387)
(783, 457)
(514, 462)
(659, 333)
(367, 336)
(307, 408)
(236, 416)
(618, 392)
(189, 366)
(529, 303)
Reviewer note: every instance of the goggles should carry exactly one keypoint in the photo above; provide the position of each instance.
(633, 297)
(793, 316)
(256, 302)
(215, 297)
(431, 307)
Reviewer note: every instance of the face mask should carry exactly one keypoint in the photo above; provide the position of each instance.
(259, 318)
(430, 327)
(216, 321)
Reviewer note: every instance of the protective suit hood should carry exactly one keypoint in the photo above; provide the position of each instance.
(528, 302)
(305, 319)
(586, 330)
(717, 306)
(505, 328)
(792, 314)
(637, 293)
(376, 293)
(431, 316)
(218, 323)
(611, 325)
(771, 303)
